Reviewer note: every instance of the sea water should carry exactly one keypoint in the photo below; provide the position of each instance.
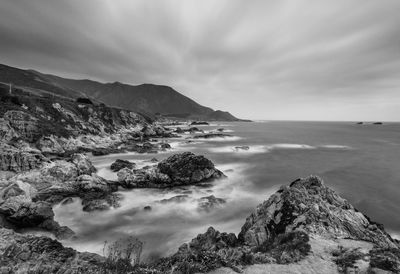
(360, 162)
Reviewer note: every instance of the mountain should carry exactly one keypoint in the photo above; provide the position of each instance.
(146, 98)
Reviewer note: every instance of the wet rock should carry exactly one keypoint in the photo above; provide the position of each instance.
(147, 208)
(239, 148)
(387, 259)
(120, 164)
(211, 135)
(67, 201)
(199, 123)
(165, 146)
(179, 169)
(153, 160)
(210, 202)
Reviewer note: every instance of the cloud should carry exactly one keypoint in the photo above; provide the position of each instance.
(316, 60)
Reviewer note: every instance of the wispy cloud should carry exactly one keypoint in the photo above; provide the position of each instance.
(275, 59)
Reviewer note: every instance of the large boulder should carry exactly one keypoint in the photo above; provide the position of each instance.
(188, 168)
(180, 169)
(307, 204)
(120, 164)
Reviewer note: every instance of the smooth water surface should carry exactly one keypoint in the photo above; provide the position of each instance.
(361, 162)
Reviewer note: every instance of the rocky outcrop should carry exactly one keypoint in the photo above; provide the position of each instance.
(18, 160)
(286, 228)
(211, 135)
(26, 199)
(120, 164)
(32, 254)
(309, 205)
(180, 169)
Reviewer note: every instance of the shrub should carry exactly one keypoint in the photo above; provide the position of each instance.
(82, 100)
(123, 255)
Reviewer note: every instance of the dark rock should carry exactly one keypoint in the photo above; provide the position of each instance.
(387, 259)
(198, 123)
(378, 123)
(147, 208)
(154, 160)
(179, 169)
(211, 135)
(32, 254)
(238, 148)
(360, 123)
(120, 164)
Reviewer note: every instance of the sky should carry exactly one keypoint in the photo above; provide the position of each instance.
(258, 59)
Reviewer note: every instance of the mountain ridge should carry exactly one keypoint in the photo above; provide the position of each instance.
(150, 99)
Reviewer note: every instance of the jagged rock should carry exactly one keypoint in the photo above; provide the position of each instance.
(179, 169)
(309, 205)
(50, 144)
(32, 254)
(17, 160)
(120, 164)
(188, 168)
(7, 133)
(24, 124)
(83, 164)
(280, 232)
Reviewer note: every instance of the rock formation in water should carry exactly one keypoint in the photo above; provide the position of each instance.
(301, 226)
(179, 169)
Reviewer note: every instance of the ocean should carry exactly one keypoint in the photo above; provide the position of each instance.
(360, 162)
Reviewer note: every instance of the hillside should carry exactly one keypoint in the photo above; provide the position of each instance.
(146, 98)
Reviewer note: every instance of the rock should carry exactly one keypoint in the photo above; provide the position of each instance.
(378, 123)
(309, 205)
(210, 202)
(32, 254)
(211, 135)
(188, 168)
(238, 148)
(360, 123)
(165, 146)
(220, 130)
(154, 160)
(179, 130)
(62, 170)
(147, 208)
(83, 164)
(7, 133)
(179, 169)
(175, 199)
(120, 164)
(67, 201)
(280, 232)
(17, 160)
(198, 123)
(24, 124)
(50, 144)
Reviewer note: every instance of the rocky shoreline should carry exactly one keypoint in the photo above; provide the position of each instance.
(302, 225)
